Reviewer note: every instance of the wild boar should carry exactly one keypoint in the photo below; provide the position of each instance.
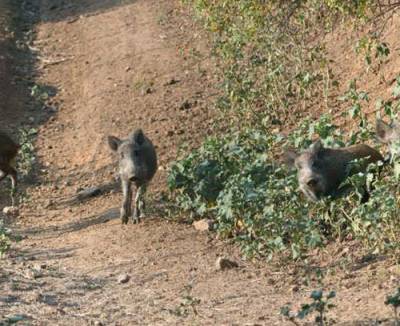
(137, 165)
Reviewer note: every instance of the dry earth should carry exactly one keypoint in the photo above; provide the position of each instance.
(110, 66)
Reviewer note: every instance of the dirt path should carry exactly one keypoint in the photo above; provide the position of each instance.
(114, 65)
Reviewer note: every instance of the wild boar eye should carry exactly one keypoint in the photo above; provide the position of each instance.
(136, 153)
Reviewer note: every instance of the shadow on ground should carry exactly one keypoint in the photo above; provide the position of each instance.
(33, 278)
(369, 322)
(83, 223)
(23, 106)
(70, 10)
(45, 254)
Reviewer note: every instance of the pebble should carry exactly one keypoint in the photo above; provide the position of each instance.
(123, 278)
(11, 211)
(203, 225)
(225, 263)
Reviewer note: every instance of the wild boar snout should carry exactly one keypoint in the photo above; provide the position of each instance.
(311, 182)
(131, 164)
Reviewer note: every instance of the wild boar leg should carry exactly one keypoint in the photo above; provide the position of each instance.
(126, 209)
(139, 204)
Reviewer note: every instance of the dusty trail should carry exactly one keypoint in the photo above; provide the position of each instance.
(115, 65)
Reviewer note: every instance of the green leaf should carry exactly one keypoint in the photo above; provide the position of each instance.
(305, 310)
(16, 318)
(396, 90)
(316, 295)
(285, 311)
(397, 169)
(331, 295)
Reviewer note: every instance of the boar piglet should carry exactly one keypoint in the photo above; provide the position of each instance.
(8, 153)
(137, 165)
(321, 170)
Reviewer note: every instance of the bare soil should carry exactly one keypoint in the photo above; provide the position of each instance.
(110, 66)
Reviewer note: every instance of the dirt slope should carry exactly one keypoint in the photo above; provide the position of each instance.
(115, 65)
(349, 65)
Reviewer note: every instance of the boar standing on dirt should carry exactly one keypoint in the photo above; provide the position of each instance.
(8, 152)
(389, 134)
(322, 170)
(137, 164)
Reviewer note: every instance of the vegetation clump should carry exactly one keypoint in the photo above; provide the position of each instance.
(273, 61)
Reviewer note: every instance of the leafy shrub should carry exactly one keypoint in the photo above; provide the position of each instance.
(272, 53)
(235, 181)
(319, 306)
(26, 155)
(394, 301)
(267, 63)
(272, 59)
(253, 198)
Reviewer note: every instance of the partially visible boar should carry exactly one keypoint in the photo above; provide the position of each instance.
(389, 134)
(8, 153)
(137, 165)
(322, 170)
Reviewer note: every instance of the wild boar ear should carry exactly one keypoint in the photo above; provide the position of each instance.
(383, 131)
(138, 136)
(317, 146)
(114, 142)
(289, 156)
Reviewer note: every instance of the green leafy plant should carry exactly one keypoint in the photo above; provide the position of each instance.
(39, 93)
(26, 155)
(391, 106)
(272, 60)
(236, 181)
(396, 89)
(394, 301)
(375, 52)
(356, 99)
(5, 240)
(319, 306)
(188, 304)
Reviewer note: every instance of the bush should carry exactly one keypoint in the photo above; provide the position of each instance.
(255, 199)
(272, 60)
(235, 181)
(272, 53)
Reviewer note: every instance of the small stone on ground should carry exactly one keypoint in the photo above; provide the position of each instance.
(224, 263)
(11, 211)
(123, 278)
(203, 225)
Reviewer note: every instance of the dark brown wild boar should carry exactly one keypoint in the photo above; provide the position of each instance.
(8, 153)
(137, 164)
(322, 170)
